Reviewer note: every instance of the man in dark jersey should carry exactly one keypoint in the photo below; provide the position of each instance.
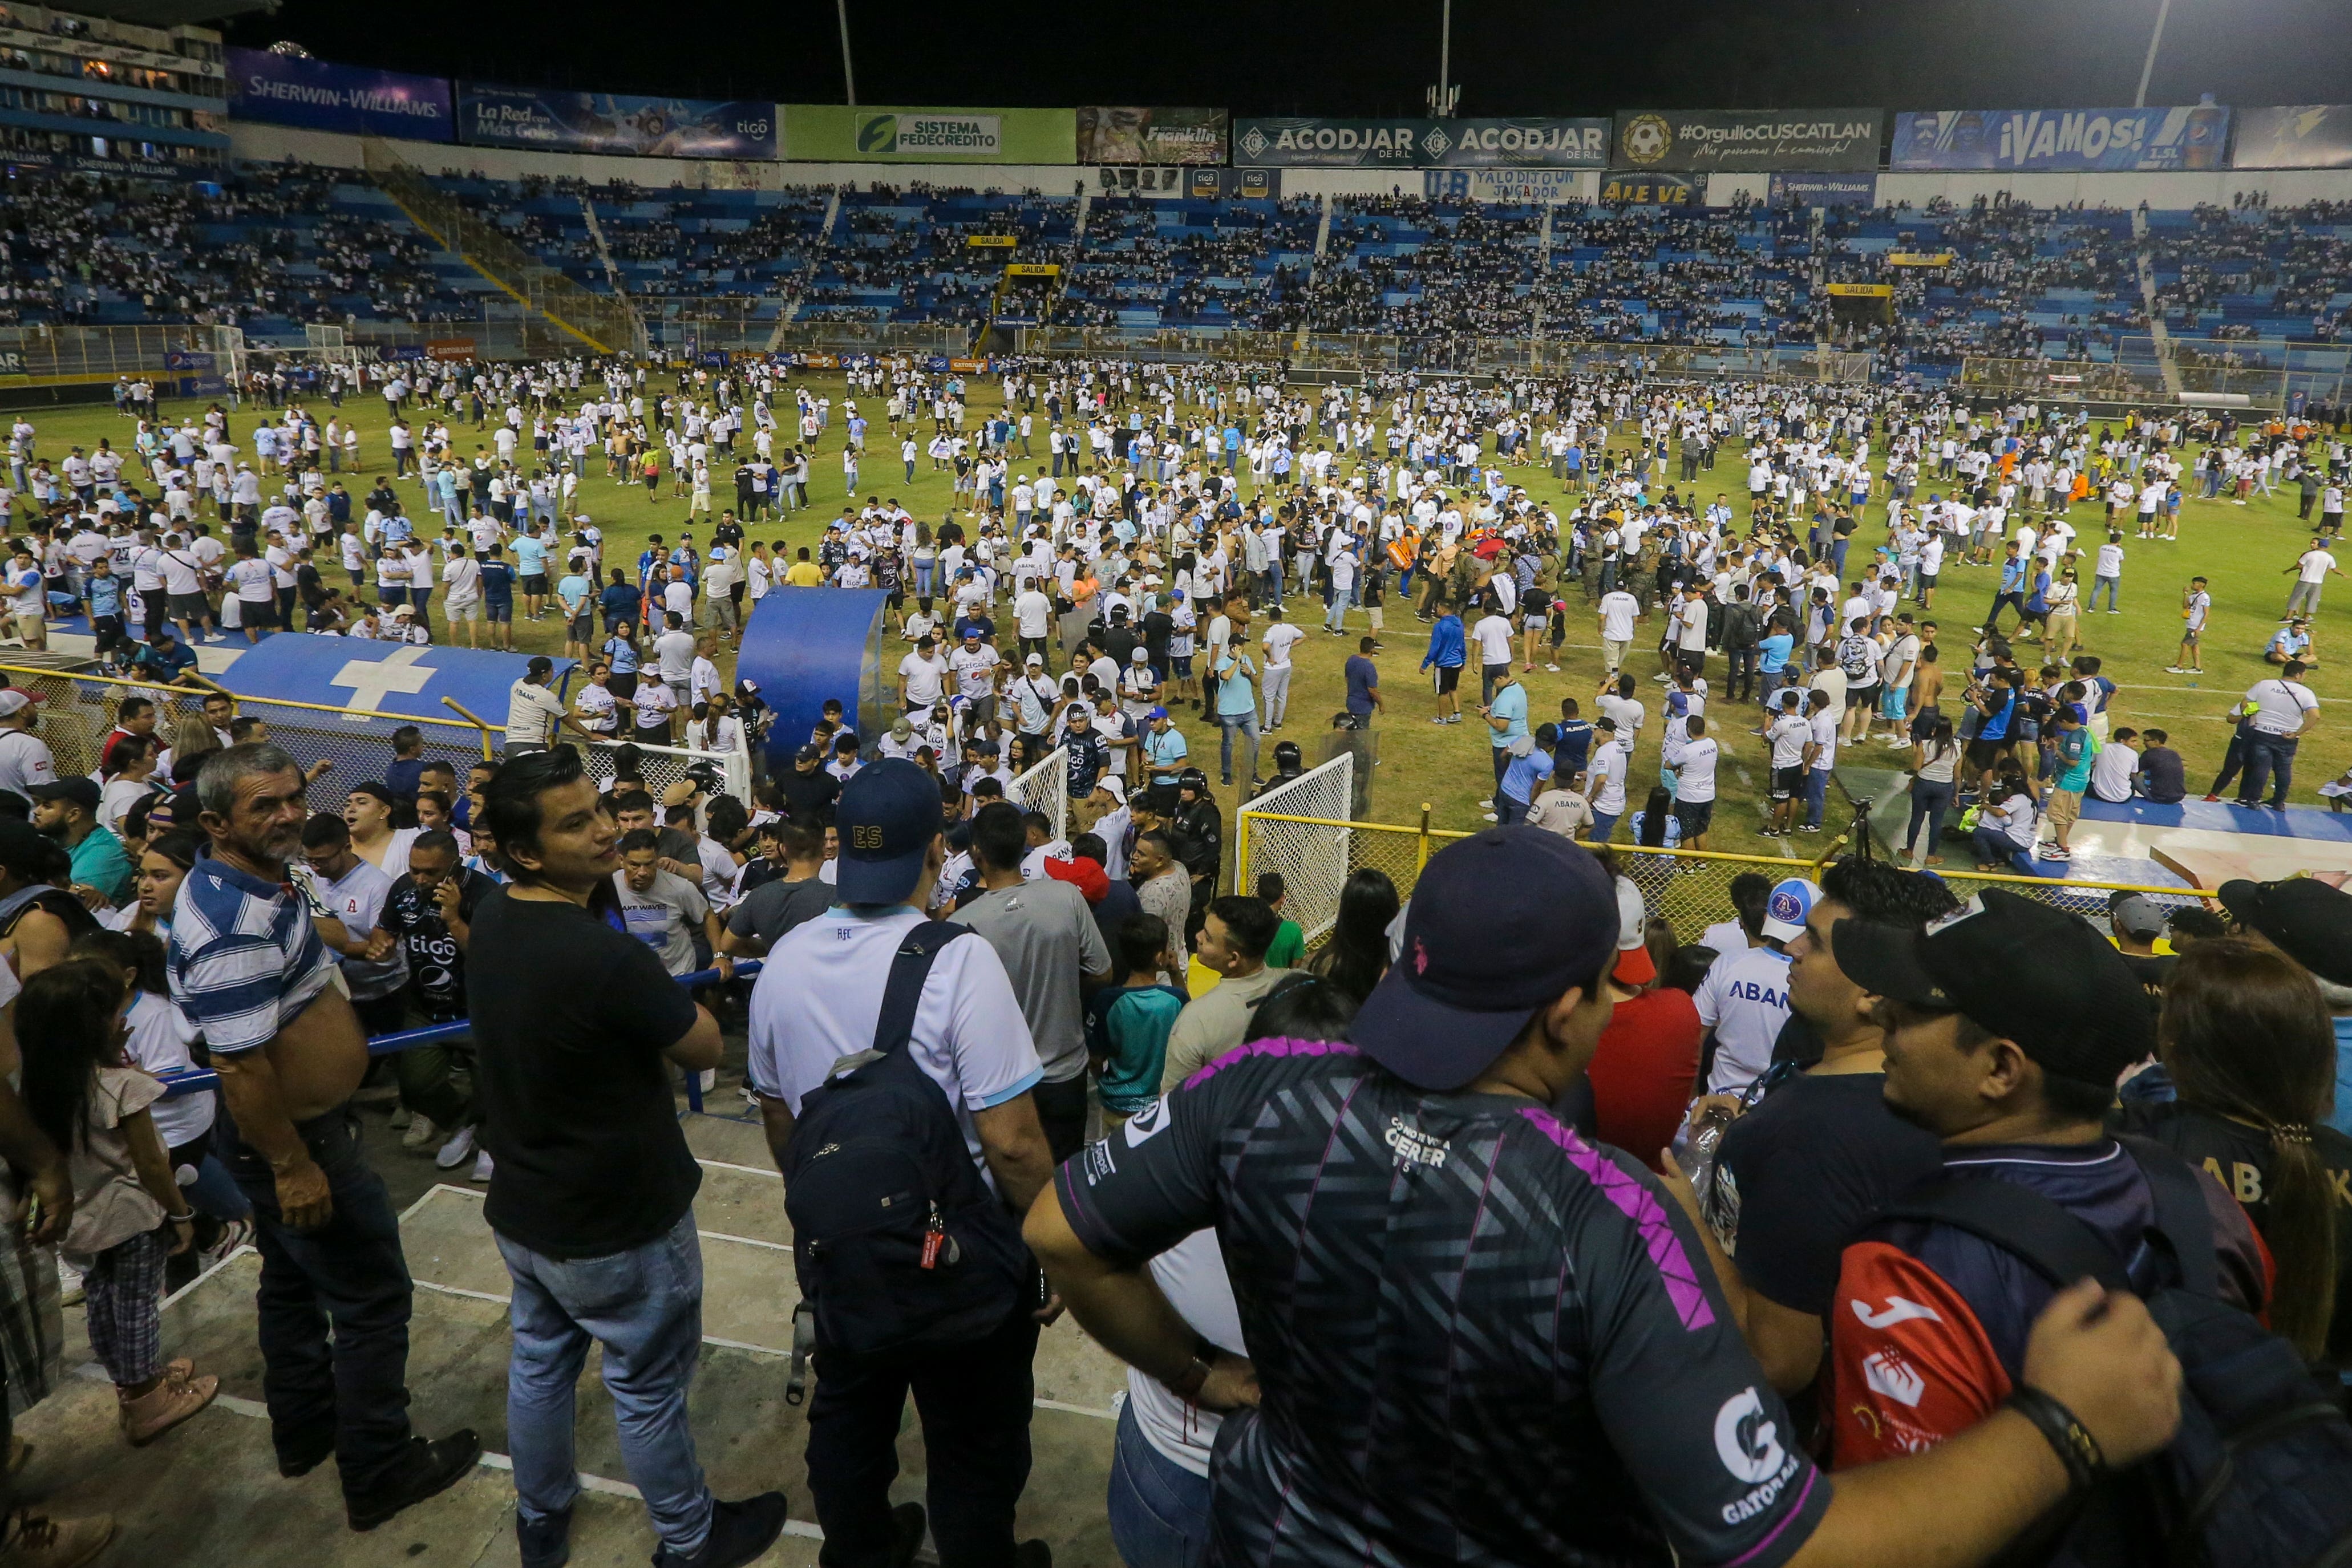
(1481, 1339)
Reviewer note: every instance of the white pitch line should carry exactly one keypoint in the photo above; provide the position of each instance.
(747, 1170)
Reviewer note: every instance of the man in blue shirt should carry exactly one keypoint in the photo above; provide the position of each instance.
(1506, 723)
(165, 659)
(1772, 651)
(2012, 590)
(101, 599)
(1363, 685)
(1447, 654)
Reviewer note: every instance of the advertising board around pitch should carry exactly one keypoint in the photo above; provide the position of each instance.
(836, 133)
(1338, 142)
(2063, 140)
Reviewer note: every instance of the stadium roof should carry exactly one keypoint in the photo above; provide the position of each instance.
(170, 13)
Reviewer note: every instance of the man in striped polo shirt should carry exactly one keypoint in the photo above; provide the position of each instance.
(249, 968)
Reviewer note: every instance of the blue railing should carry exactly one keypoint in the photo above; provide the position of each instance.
(196, 1081)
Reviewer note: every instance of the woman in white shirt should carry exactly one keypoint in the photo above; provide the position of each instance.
(1934, 756)
(133, 758)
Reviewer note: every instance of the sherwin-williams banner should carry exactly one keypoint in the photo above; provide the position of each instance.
(560, 121)
(1117, 135)
(2063, 140)
(836, 133)
(288, 89)
(1825, 190)
(1332, 142)
(2295, 136)
(1748, 141)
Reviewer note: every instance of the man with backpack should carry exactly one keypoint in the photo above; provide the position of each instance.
(891, 1057)
(2006, 1026)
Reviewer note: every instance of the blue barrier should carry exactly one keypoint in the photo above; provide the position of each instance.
(197, 1081)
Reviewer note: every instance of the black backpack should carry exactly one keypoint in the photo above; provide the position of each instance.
(898, 1243)
(2260, 1474)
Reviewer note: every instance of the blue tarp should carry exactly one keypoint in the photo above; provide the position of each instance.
(802, 645)
(395, 679)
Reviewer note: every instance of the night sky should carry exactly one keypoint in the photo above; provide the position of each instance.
(1510, 57)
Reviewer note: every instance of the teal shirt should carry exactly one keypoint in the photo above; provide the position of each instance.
(1128, 1027)
(1510, 703)
(1236, 693)
(2341, 1117)
(99, 861)
(2074, 758)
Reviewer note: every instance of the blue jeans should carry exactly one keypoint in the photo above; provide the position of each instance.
(1245, 724)
(1159, 1509)
(1817, 794)
(1603, 824)
(1930, 798)
(2110, 584)
(1341, 598)
(644, 1307)
(1995, 847)
(2267, 755)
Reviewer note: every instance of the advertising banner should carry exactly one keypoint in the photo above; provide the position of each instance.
(559, 121)
(1748, 141)
(1328, 141)
(1825, 190)
(1118, 135)
(449, 348)
(1232, 184)
(1919, 258)
(1648, 190)
(1861, 290)
(1031, 269)
(188, 359)
(287, 89)
(835, 133)
(1532, 188)
(2295, 136)
(2063, 140)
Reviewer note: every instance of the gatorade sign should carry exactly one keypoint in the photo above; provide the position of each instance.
(977, 136)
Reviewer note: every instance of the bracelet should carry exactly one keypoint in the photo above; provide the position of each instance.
(2068, 1438)
(1186, 1385)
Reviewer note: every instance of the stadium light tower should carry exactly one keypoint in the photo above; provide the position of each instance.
(849, 76)
(2147, 67)
(1445, 94)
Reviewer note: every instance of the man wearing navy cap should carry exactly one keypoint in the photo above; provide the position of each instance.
(818, 1000)
(1473, 1334)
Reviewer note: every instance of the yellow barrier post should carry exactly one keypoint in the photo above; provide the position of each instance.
(474, 719)
(1420, 859)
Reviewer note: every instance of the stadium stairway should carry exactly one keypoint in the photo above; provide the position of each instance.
(208, 1494)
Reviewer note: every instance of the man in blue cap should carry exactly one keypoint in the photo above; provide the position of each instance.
(819, 999)
(1473, 1334)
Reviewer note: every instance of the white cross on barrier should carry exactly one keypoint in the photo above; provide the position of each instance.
(372, 680)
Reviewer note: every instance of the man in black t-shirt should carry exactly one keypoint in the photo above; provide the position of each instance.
(591, 1202)
(1806, 1164)
(1475, 1337)
(765, 914)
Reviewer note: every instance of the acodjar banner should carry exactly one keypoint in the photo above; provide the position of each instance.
(1339, 142)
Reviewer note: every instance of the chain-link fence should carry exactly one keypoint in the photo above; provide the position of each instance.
(78, 712)
(662, 766)
(1298, 830)
(1045, 786)
(1689, 889)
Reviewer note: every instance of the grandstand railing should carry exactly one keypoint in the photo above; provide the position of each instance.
(1379, 353)
(1689, 888)
(568, 317)
(78, 712)
(881, 339)
(59, 353)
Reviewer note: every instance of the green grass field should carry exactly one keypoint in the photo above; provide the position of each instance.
(2243, 551)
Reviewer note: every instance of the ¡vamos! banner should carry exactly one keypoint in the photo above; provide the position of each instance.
(561, 122)
(288, 89)
(2063, 140)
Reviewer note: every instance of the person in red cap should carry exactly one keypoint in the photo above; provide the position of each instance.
(1472, 1334)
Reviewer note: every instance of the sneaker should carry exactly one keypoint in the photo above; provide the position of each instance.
(906, 1524)
(1553, 667)
(401, 1117)
(2115, 612)
(548, 1543)
(36, 1540)
(2211, 799)
(235, 1233)
(163, 1407)
(453, 1153)
(482, 1167)
(69, 1290)
(432, 1469)
(2174, 670)
(739, 1532)
(420, 1133)
(1492, 818)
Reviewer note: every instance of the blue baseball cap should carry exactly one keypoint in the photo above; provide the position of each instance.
(1500, 924)
(1786, 911)
(887, 816)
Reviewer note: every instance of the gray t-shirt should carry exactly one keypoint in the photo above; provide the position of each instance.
(772, 908)
(1044, 931)
(664, 917)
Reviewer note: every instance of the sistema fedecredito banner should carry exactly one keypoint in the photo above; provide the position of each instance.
(293, 90)
(558, 121)
(2063, 140)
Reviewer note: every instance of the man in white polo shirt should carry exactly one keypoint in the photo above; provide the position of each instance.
(819, 999)
(1744, 1000)
(2284, 709)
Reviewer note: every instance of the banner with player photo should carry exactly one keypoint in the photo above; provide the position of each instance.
(2295, 136)
(1748, 141)
(561, 122)
(1122, 135)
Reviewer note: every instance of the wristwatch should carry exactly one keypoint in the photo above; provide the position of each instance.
(1186, 1385)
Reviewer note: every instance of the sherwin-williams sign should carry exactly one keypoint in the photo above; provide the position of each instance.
(836, 133)
(2064, 141)
(1748, 141)
(292, 89)
(1331, 143)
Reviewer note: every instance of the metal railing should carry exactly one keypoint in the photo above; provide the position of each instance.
(1691, 889)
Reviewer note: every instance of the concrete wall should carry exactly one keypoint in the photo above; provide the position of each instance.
(269, 143)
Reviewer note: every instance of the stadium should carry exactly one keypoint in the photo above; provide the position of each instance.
(1575, 406)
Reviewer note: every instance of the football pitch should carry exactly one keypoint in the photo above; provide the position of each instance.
(2245, 552)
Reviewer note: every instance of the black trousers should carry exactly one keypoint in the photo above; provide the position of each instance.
(1062, 1111)
(975, 1403)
